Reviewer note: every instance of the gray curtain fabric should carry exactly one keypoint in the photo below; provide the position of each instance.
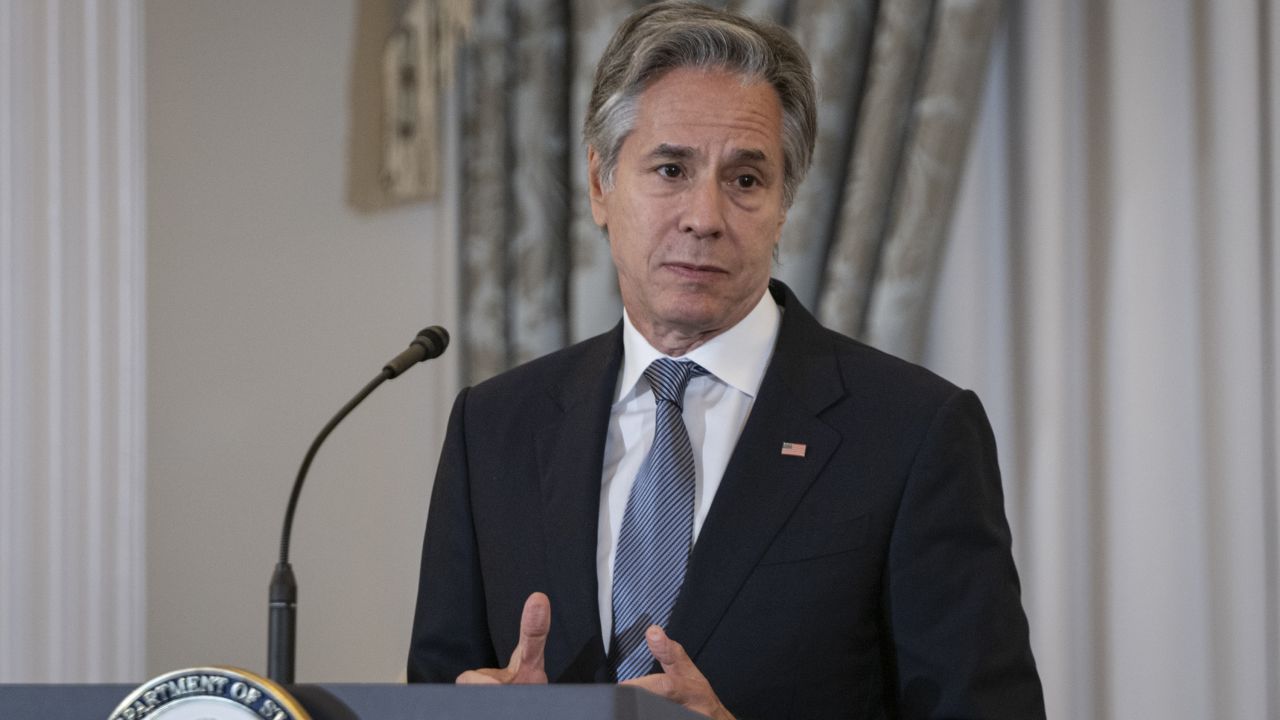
(898, 81)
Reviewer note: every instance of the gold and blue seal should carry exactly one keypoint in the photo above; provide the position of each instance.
(209, 693)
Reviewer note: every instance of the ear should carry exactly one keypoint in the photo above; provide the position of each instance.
(595, 185)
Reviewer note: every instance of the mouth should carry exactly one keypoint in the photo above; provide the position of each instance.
(694, 271)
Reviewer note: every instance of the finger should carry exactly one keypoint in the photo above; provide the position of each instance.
(535, 626)
(658, 684)
(485, 676)
(669, 653)
(680, 680)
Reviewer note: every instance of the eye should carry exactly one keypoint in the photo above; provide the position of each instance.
(746, 182)
(670, 170)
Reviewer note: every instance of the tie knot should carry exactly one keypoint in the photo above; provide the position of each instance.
(669, 378)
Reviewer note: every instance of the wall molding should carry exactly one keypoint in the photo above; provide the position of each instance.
(72, 344)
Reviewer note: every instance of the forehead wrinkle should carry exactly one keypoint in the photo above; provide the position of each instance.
(677, 126)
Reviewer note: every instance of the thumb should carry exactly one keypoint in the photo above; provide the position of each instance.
(669, 653)
(535, 625)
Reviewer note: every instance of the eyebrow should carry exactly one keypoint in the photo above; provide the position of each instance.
(683, 152)
(672, 152)
(743, 156)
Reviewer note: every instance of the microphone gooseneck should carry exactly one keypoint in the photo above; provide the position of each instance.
(283, 595)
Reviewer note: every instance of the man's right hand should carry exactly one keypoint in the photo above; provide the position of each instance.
(526, 666)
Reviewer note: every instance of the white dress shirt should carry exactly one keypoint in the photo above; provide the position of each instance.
(716, 407)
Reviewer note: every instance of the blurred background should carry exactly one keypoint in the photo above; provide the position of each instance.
(1069, 206)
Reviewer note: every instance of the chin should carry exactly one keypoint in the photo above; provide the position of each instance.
(693, 320)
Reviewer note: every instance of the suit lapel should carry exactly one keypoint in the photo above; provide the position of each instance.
(761, 486)
(570, 454)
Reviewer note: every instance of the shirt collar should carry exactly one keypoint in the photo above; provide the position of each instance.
(738, 356)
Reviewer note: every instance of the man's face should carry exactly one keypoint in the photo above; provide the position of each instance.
(696, 206)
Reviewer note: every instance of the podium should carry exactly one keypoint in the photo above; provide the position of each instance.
(386, 702)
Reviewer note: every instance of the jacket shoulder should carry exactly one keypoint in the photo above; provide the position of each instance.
(880, 373)
(552, 373)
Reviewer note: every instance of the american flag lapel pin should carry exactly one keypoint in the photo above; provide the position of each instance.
(794, 449)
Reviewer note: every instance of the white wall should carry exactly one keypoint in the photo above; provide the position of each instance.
(269, 304)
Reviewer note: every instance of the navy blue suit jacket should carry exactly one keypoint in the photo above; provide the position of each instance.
(870, 578)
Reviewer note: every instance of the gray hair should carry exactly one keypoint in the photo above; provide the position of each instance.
(664, 36)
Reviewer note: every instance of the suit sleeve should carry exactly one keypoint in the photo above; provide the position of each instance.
(450, 629)
(960, 638)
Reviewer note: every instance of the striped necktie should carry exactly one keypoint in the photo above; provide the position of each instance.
(657, 526)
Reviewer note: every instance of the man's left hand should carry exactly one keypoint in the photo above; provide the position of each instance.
(680, 680)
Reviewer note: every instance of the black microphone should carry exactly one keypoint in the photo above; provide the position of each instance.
(429, 344)
(283, 598)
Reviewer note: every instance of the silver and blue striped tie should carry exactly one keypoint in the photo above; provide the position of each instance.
(657, 526)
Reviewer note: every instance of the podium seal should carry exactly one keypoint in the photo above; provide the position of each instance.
(209, 693)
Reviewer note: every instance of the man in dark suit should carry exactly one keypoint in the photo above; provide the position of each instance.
(720, 500)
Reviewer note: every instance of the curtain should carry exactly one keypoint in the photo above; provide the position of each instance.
(898, 83)
(1111, 291)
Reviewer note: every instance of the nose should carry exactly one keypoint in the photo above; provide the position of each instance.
(704, 211)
